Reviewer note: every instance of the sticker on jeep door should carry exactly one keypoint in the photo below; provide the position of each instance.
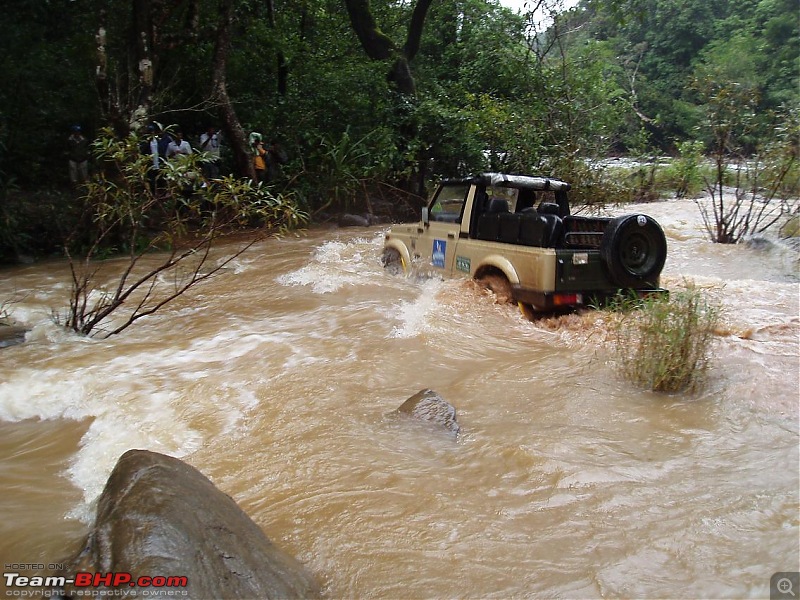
(462, 263)
(439, 250)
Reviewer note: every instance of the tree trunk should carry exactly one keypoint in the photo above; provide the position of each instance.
(219, 92)
(143, 43)
(283, 66)
(378, 46)
(109, 97)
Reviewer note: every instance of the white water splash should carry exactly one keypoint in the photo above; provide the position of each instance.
(337, 264)
(418, 316)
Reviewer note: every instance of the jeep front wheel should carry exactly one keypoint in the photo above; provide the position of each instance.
(393, 262)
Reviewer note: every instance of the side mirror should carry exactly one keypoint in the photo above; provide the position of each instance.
(425, 218)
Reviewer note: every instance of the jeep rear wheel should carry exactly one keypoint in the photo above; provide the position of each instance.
(634, 250)
(498, 285)
(528, 311)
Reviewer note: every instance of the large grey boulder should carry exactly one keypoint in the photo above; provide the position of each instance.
(158, 516)
(428, 405)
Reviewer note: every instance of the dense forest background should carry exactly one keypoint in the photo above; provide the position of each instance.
(391, 93)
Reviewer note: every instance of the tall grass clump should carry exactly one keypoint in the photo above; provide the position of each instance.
(665, 344)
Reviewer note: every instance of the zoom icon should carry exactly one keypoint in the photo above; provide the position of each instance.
(784, 585)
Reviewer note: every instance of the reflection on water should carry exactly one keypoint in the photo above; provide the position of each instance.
(276, 379)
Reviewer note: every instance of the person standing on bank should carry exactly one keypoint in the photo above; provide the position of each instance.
(78, 150)
(259, 156)
(149, 147)
(209, 143)
(178, 146)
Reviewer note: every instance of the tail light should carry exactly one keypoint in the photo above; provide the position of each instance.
(567, 299)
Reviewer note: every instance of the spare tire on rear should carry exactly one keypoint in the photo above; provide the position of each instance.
(634, 250)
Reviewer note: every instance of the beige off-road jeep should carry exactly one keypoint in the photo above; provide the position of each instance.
(516, 234)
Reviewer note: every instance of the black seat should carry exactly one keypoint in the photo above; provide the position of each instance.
(548, 208)
(508, 227)
(531, 228)
(498, 205)
(553, 231)
(489, 222)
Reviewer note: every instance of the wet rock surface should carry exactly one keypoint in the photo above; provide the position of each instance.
(158, 516)
(428, 405)
(11, 335)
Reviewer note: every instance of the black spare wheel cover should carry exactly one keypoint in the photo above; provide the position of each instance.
(634, 249)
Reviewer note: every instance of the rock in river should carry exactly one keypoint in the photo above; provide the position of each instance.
(11, 335)
(428, 405)
(158, 516)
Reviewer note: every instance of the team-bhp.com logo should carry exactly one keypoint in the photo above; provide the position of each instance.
(96, 584)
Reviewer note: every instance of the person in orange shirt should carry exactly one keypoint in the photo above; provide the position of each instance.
(259, 156)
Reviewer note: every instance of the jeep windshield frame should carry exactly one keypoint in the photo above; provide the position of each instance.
(447, 205)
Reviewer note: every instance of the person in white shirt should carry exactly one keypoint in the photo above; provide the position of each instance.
(209, 143)
(178, 146)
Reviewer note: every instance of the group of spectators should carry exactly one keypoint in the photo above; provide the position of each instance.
(163, 145)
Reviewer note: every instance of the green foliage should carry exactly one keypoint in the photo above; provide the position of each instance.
(167, 232)
(606, 77)
(665, 344)
(46, 56)
(337, 169)
(660, 46)
(781, 158)
(684, 174)
(450, 139)
(8, 220)
(34, 223)
(765, 186)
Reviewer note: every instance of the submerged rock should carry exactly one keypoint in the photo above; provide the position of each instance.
(428, 405)
(158, 516)
(350, 220)
(759, 243)
(11, 335)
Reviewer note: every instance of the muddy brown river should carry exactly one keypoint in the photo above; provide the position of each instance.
(275, 380)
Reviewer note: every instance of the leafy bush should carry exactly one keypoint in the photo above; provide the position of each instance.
(665, 344)
(684, 173)
(174, 217)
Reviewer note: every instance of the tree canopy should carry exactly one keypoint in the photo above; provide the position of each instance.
(417, 89)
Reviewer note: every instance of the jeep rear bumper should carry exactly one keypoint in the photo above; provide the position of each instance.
(547, 301)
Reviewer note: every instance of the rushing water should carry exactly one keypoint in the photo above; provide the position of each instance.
(275, 380)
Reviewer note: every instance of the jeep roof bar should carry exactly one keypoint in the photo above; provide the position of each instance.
(513, 181)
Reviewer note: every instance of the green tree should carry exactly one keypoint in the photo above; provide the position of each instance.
(167, 234)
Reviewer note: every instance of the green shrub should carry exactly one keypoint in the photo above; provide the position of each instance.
(177, 222)
(594, 185)
(791, 228)
(684, 174)
(665, 344)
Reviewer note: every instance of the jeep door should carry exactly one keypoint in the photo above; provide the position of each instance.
(445, 212)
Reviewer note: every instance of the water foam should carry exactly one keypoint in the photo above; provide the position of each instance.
(418, 316)
(136, 397)
(336, 264)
